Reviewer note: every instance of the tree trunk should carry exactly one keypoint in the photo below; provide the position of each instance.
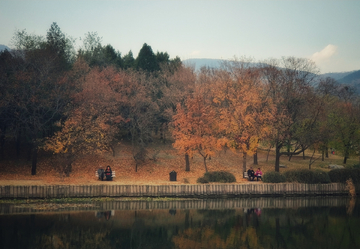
(29, 150)
(2, 145)
(244, 161)
(304, 154)
(277, 158)
(255, 158)
(267, 156)
(17, 146)
(326, 152)
(206, 170)
(187, 162)
(113, 150)
(345, 158)
(34, 160)
(161, 133)
(290, 155)
(323, 155)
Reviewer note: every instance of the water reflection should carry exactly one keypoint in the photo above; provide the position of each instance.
(250, 227)
(106, 214)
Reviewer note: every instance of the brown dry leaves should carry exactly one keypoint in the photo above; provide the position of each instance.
(151, 172)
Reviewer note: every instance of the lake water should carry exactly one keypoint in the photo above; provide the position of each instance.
(273, 223)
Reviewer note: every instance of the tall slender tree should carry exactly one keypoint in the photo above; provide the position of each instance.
(289, 83)
(194, 127)
(244, 111)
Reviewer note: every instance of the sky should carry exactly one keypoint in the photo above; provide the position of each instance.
(326, 31)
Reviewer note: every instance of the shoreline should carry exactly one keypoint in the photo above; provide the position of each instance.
(150, 204)
(176, 191)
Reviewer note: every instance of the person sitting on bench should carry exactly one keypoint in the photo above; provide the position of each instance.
(251, 174)
(258, 174)
(108, 173)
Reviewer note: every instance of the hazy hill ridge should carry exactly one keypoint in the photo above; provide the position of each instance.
(351, 78)
(3, 47)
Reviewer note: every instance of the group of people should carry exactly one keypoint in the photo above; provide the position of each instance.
(105, 173)
(252, 174)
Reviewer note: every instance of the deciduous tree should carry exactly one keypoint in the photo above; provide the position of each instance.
(244, 111)
(194, 127)
(289, 83)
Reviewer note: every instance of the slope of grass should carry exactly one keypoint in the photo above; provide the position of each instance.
(162, 159)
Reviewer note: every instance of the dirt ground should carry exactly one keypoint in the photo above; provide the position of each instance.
(162, 159)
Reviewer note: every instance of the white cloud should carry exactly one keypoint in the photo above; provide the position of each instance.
(324, 54)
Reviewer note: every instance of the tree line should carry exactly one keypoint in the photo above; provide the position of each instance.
(87, 101)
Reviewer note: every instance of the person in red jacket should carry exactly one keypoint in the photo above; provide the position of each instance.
(108, 173)
(258, 174)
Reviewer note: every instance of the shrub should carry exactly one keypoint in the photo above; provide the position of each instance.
(202, 180)
(220, 176)
(356, 166)
(301, 176)
(307, 176)
(341, 175)
(291, 176)
(217, 176)
(273, 177)
(321, 177)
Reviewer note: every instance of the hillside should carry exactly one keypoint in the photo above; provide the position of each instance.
(336, 76)
(351, 78)
(199, 63)
(3, 47)
(162, 159)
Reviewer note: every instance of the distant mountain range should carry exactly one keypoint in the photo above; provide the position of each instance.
(349, 78)
(3, 47)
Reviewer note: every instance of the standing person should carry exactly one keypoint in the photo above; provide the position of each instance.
(258, 174)
(251, 174)
(108, 173)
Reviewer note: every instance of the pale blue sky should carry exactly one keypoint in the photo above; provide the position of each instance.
(326, 31)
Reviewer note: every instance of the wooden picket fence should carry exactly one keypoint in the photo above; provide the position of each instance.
(196, 190)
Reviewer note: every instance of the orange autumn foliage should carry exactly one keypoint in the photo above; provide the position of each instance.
(243, 113)
(92, 120)
(194, 127)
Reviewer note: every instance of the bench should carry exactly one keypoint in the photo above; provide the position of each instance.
(112, 175)
(245, 175)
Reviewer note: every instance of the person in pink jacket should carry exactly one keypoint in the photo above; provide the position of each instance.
(258, 174)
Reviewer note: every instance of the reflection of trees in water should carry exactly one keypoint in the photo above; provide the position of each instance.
(321, 227)
(217, 229)
(51, 231)
(310, 228)
(275, 228)
(207, 237)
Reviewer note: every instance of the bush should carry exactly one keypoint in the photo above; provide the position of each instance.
(356, 166)
(301, 176)
(220, 176)
(307, 176)
(202, 180)
(321, 177)
(341, 175)
(273, 177)
(217, 176)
